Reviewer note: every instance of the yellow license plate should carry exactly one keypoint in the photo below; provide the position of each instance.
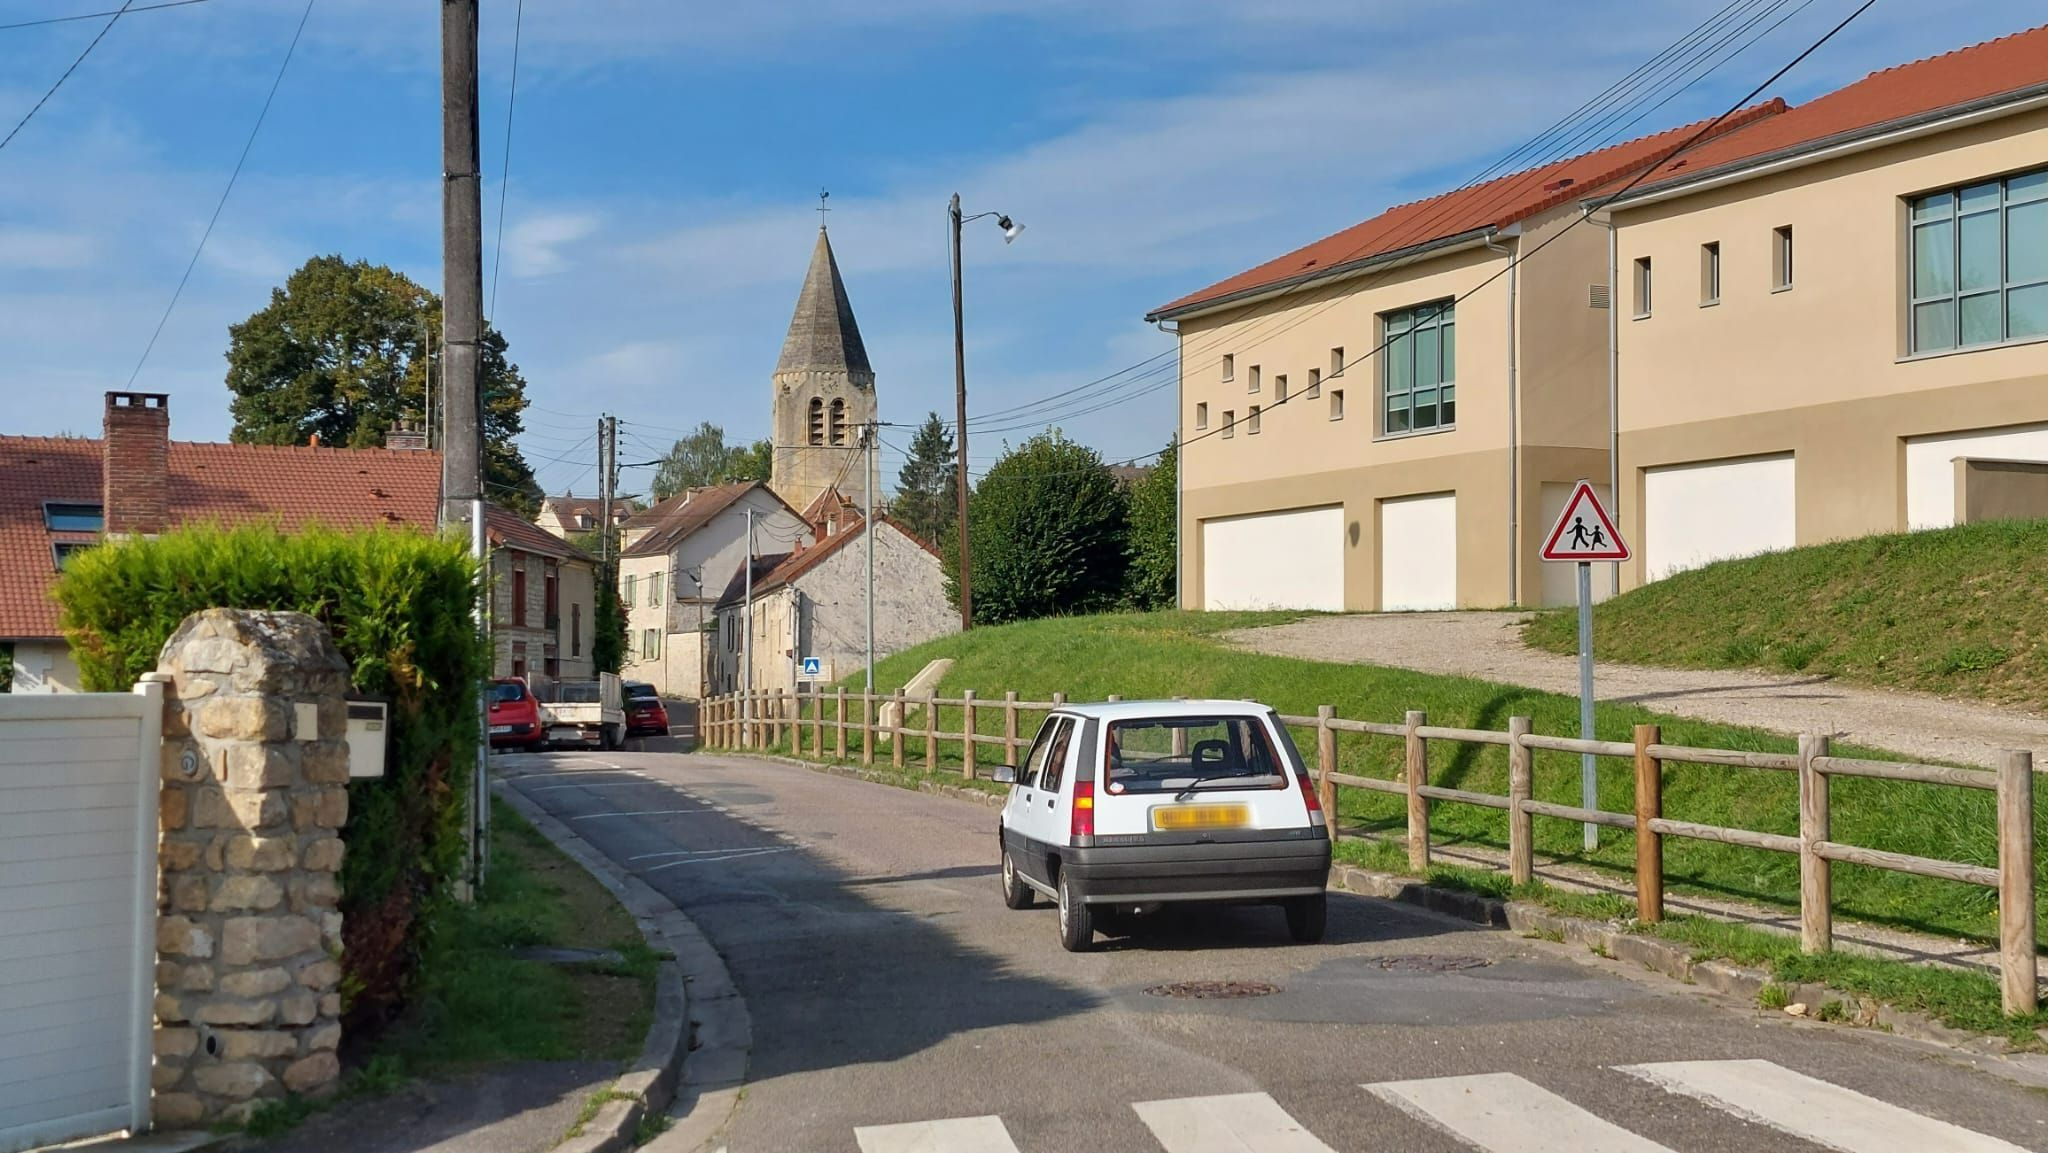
(1175, 817)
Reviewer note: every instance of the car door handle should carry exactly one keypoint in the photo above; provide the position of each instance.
(1048, 802)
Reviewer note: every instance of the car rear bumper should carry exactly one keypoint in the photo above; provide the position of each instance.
(1224, 871)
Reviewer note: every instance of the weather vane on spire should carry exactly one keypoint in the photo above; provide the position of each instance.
(823, 196)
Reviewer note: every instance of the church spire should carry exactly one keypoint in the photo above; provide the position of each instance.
(822, 335)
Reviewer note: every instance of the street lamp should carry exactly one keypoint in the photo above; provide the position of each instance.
(1011, 230)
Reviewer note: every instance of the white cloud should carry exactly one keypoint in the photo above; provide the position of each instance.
(42, 250)
(533, 244)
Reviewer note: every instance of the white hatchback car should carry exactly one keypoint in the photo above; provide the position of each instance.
(1135, 804)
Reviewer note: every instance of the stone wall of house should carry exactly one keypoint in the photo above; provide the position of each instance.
(255, 775)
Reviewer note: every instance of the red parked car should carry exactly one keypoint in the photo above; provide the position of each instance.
(646, 716)
(515, 716)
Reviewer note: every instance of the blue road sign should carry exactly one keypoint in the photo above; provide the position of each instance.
(813, 667)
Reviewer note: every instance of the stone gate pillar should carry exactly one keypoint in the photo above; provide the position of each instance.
(255, 776)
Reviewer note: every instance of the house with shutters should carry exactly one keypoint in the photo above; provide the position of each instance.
(59, 495)
(543, 601)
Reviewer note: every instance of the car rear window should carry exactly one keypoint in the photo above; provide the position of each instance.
(637, 691)
(1177, 754)
(505, 692)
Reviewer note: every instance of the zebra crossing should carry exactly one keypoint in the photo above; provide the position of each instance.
(1504, 1113)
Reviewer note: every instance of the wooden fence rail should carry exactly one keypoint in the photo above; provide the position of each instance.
(738, 721)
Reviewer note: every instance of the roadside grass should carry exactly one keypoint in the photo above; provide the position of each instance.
(477, 1004)
(1177, 654)
(1950, 611)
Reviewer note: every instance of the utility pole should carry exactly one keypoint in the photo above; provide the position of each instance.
(607, 458)
(462, 264)
(747, 639)
(462, 290)
(867, 527)
(960, 445)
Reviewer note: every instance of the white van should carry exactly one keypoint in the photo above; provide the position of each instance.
(1126, 806)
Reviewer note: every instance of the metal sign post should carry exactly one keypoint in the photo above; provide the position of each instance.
(1584, 533)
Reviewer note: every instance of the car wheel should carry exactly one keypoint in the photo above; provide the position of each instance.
(1077, 924)
(1016, 894)
(1306, 917)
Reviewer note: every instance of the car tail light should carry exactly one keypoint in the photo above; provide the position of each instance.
(1315, 803)
(1084, 809)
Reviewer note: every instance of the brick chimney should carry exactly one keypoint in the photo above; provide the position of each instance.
(135, 463)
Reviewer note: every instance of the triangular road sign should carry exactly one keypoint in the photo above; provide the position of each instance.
(1584, 531)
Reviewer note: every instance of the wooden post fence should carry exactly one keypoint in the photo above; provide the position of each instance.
(897, 731)
(867, 730)
(967, 734)
(817, 720)
(1326, 763)
(931, 731)
(1417, 772)
(839, 723)
(1649, 845)
(1010, 727)
(1521, 774)
(1816, 878)
(2019, 967)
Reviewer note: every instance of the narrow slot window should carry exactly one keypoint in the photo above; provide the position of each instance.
(1202, 415)
(1781, 257)
(1710, 273)
(1315, 384)
(1642, 287)
(1336, 404)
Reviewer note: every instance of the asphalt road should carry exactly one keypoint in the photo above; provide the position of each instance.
(889, 987)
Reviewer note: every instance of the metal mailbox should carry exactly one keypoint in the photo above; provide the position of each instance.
(368, 728)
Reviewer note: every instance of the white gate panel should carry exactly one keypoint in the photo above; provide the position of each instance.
(1275, 560)
(1715, 510)
(1419, 553)
(78, 828)
(1931, 471)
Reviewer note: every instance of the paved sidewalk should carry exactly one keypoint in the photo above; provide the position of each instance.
(1488, 645)
(523, 1107)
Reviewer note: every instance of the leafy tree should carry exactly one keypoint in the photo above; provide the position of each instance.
(342, 351)
(6, 668)
(1154, 539)
(1048, 528)
(925, 500)
(703, 458)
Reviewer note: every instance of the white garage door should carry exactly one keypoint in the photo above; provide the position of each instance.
(1931, 473)
(1275, 560)
(1695, 513)
(1419, 553)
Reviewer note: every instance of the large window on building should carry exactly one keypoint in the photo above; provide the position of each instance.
(1418, 385)
(1980, 264)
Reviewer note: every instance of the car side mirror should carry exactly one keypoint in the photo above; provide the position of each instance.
(1004, 775)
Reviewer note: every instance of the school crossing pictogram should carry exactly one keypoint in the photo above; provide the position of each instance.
(1584, 531)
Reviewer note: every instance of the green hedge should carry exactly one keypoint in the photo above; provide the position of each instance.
(399, 606)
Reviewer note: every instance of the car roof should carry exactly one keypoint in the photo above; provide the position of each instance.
(1145, 710)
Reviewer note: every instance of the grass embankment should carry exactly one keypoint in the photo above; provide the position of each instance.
(1953, 611)
(1179, 654)
(477, 1003)
(1959, 999)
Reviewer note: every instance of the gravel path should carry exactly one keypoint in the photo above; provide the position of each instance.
(1488, 645)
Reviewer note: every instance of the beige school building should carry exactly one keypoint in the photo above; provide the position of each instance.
(1748, 325)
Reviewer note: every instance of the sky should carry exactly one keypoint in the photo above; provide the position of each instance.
(666, 158)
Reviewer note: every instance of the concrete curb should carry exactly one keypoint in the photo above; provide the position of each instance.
(671, 1059)
(1609, 939)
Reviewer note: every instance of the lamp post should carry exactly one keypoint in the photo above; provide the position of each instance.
(1010, 230)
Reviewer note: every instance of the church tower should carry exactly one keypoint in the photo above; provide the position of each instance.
(824, 392)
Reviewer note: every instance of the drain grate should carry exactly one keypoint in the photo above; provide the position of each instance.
(1431, 963)
(1214, 990)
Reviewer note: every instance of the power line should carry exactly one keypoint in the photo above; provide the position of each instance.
(38, 107)
(124, 9)
(1565, 141)
(505, 173)
(241, 160)
(1638, 178)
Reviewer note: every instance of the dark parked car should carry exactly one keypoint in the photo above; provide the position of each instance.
(646, 716)
(515, 716)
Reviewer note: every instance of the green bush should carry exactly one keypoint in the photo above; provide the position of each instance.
(399, 607)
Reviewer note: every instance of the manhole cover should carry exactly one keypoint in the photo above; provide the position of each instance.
(1431, 963)
(1214, 990)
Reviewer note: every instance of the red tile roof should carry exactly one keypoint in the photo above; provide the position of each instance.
(773, 572)
(1982, 72)
(677, 517)
(507, 529)
(1494, 204)
(291, 486)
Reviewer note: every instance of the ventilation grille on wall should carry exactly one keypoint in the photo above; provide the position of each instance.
(1596, 296)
